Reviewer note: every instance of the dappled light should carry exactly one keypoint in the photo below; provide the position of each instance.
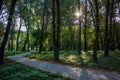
(72, 58)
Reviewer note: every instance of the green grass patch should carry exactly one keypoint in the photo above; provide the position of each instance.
(85, 59)
(10, 53)
(16, 71)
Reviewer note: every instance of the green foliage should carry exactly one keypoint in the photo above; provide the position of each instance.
(85, 59)
(38, 34)
(10, 53)
(43, 56)
(8, 72)
(111, 62)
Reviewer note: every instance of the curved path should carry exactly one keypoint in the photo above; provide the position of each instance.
(72, 72)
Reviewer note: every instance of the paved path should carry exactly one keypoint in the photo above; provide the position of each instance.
(72, 72)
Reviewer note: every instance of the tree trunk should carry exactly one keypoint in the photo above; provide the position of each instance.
(71, 38)
(40, 47)
(94, 51)
(12, 32)
(85, 29)
(43, 29)
(111, 36)
(24, 46)
(117, 36)
(56, 56)
(53, 28)
(2, 47)
(1, 2)
(28, 41)
(17, 42)
(12, 43)
(96, 32)
(79, 31)
(106, 50)
(101, 43)
(9, 47)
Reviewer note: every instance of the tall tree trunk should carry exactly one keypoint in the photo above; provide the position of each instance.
(40, 47)
(85, 29)
(41, 43)
(71, 38)
(28, 25)
(101, 43)
(72, 42)
(18, 35)
(47, 14)
(106, 50)
(1, 2)
(24, 45)
(96, 32)
(2, 47)
(79, 31)
(56, 56)
(117, 36)
(28, 40)
(111, 36)
(53, 28)
(12, 31)
(12, 44)
(43, 29)
(9, 47)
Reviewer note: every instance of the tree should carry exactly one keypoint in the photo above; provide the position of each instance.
(1, 2)
(117, 35)
(96, 32)
(53, 28)
(106, 52)
(2, 47)
(18, 35)
(25, 43)
(11, 34)
(42, 28)
(27, 24)
(56, 57)
(56, 28)
(79, 31)
(111, 30)
(1, 31)
(85, 29)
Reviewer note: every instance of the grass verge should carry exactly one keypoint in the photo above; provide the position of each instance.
(10, 53)
(17, 71)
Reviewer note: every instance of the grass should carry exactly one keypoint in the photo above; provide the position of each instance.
(10, 53)
(85, 59)
(16, 71)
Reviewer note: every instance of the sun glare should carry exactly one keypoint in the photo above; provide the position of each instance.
(78, 14)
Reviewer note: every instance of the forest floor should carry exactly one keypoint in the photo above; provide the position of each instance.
(72, 72)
